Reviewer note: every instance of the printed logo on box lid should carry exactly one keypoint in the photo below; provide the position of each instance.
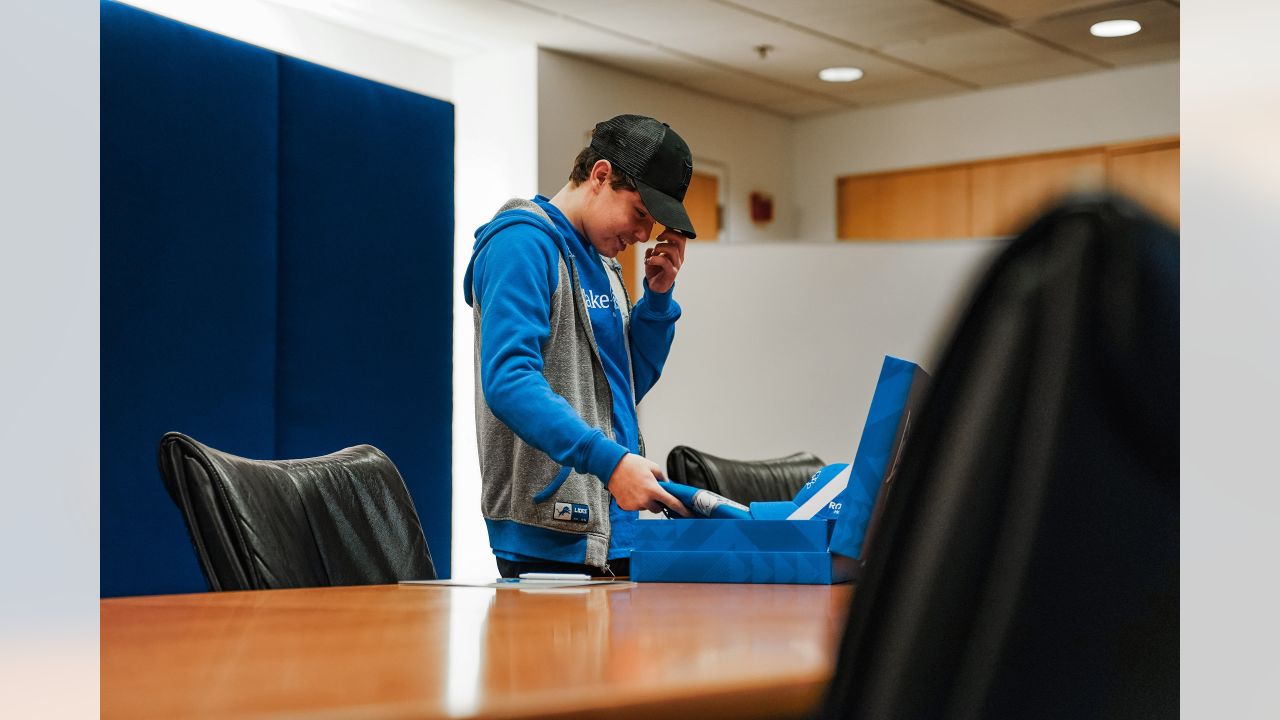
(819, 480)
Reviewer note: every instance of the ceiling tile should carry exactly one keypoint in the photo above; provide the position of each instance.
(644, 60)
(991, 57)
(774, 99)
(871, 23)
(714, 82)
(803, 106)
(883, 81)
(901, 89)
(1022, 10)
(673, 23)
(752, 89)
(1158, 40)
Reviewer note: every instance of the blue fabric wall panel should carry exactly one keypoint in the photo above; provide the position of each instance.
(188, 270)
(366, 267)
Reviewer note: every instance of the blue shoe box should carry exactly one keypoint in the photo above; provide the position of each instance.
(738, 551)
(705, 534)
(771, 549)
(733, 566)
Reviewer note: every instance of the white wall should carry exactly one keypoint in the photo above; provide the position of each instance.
(1110, 106)
(754, 147)
(497, 159)
(306, 36)
(780, 345)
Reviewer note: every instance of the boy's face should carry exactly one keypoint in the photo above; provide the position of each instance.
(615, 219)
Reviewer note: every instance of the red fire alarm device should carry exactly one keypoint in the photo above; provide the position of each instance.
(761, 208)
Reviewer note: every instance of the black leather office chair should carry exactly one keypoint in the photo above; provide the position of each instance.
(746, 481)
(1027, 561)
(341, 519)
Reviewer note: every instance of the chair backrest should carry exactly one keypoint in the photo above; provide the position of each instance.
(745, 481)
(341, 519)
(1027, 561)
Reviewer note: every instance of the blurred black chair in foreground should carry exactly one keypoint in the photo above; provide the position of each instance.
(745, 481)
(1028, 559)
(341, 519)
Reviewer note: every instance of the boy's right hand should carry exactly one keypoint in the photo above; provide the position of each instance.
(634, 484)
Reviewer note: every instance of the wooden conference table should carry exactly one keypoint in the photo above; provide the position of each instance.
(636, 650)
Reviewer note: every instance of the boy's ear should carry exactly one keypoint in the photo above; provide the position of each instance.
(601, 171)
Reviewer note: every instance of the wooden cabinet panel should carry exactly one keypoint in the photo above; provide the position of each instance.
(928, 204)
(858, 207)
(915, 204)
(1007, 194)
(1150, 176)
(1000, 197)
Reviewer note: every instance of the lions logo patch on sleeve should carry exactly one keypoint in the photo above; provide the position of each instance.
(572, 512)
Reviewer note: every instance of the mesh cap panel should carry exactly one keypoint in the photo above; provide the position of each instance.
(628, 141)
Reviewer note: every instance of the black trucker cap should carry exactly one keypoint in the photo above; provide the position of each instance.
(656, 158)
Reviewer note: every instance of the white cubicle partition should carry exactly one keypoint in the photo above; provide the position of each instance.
(781, 343)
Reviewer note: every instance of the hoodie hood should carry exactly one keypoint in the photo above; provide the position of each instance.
(514, 212)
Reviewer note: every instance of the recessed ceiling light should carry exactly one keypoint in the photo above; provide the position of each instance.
(840, 74)
(1115, 28)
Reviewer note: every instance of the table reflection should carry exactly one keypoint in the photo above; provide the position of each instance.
(460, 652)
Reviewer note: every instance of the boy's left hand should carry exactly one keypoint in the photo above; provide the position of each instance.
(662, 262)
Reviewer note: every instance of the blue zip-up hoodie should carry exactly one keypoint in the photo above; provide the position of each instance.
(544, 402)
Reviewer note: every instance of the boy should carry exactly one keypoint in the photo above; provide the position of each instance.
(562, 356)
